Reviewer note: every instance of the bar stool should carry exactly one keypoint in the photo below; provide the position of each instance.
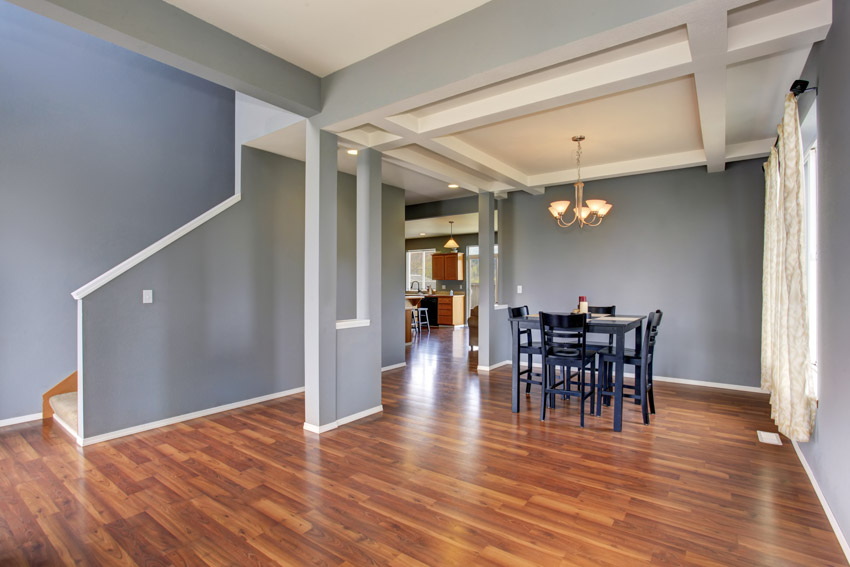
(419, 312)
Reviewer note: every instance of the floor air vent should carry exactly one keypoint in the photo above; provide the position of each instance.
(771, 438)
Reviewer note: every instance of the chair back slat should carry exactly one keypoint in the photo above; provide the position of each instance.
(563, 333)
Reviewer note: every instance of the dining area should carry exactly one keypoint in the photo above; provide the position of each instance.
(582, 355)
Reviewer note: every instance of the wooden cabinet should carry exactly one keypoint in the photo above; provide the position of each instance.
(447, 266)
(450, 310)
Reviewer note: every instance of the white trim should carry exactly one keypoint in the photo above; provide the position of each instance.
(393, 366)
(704, 384)
(61, 423)
(187, 416)
(20, 419)
(359, 415)
(352, 323)
(500, 306)
(688, 382)
(494, 366)
(319, 429)
(842, 541)
(80, 410)
(154, 248)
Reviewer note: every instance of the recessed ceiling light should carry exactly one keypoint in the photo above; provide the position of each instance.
(421, 234)
(453, 185)
(351, 152)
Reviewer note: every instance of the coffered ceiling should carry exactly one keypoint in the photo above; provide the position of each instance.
(702, 85)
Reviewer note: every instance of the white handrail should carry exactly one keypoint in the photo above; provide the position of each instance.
(103, 279)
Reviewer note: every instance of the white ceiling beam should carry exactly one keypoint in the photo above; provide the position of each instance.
(467, 154)
(708, 40)
(791, 29)
(665, 162)
(438, 169)
(537, 190)
(629, 72)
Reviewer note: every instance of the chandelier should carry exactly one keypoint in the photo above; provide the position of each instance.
(586, 214)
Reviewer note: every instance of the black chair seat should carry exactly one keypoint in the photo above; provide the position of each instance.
(564, 352)
(628, 353)
(533, 348)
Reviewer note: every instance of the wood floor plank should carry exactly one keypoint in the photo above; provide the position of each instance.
(446, 475)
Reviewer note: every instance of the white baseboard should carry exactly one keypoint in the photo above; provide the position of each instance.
(705, 384)
(494, 366)
(319, 429)
(70, 430)
(689, 382)
(842, 541)
(393, 366)
(360, 415)
(20, 419)
(186, 417)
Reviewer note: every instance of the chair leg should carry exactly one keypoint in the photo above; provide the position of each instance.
(644, 406)
(592, 385)
(581, 398)
(650, 388)
(545, 380)
(599, 389)
(530, 372)
(638, 384)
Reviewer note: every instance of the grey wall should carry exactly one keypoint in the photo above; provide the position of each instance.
(392, 274)
(167, 34)
(448, 207)
(227, 321)
(686, 242)
(102, 152)
(827, 452)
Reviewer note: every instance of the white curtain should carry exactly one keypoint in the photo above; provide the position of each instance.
(785, 365)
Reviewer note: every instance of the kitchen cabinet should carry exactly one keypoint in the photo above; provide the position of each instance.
(447, 266)
(450, 310)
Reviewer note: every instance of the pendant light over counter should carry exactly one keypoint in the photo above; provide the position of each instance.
(452, 243)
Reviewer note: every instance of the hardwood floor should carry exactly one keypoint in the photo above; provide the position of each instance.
(447, 475)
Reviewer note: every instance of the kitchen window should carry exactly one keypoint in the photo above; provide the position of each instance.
(419, 269)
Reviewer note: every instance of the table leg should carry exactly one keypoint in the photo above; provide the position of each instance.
(514, 366)
(618, 381)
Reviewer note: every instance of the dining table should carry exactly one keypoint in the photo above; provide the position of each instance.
(617, 326)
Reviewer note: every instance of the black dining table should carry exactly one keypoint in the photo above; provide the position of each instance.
(618, 326)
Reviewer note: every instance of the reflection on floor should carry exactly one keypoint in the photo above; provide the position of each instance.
(447, 475)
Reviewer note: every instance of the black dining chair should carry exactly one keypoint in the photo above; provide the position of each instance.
(563, 342)
(528, 347)
(610, 310)
(642, 361)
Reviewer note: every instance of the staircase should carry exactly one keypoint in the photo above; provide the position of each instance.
(60, 404)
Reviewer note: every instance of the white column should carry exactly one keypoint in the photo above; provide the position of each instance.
(320, 274)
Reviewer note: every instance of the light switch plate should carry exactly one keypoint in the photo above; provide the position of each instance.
(444, 286)
(519, 289)
(147, 296)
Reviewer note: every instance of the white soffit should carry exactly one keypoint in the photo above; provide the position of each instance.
(439, 226)
(755, 94)
(323, 36)
(649, 121)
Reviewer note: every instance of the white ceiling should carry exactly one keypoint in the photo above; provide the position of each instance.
(323, 36)
(440, 226)
(693, 87)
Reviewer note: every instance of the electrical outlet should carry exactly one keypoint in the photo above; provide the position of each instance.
(519, 289)
(147, 296)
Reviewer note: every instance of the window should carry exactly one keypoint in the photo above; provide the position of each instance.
(473, 274)
(419, 269)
